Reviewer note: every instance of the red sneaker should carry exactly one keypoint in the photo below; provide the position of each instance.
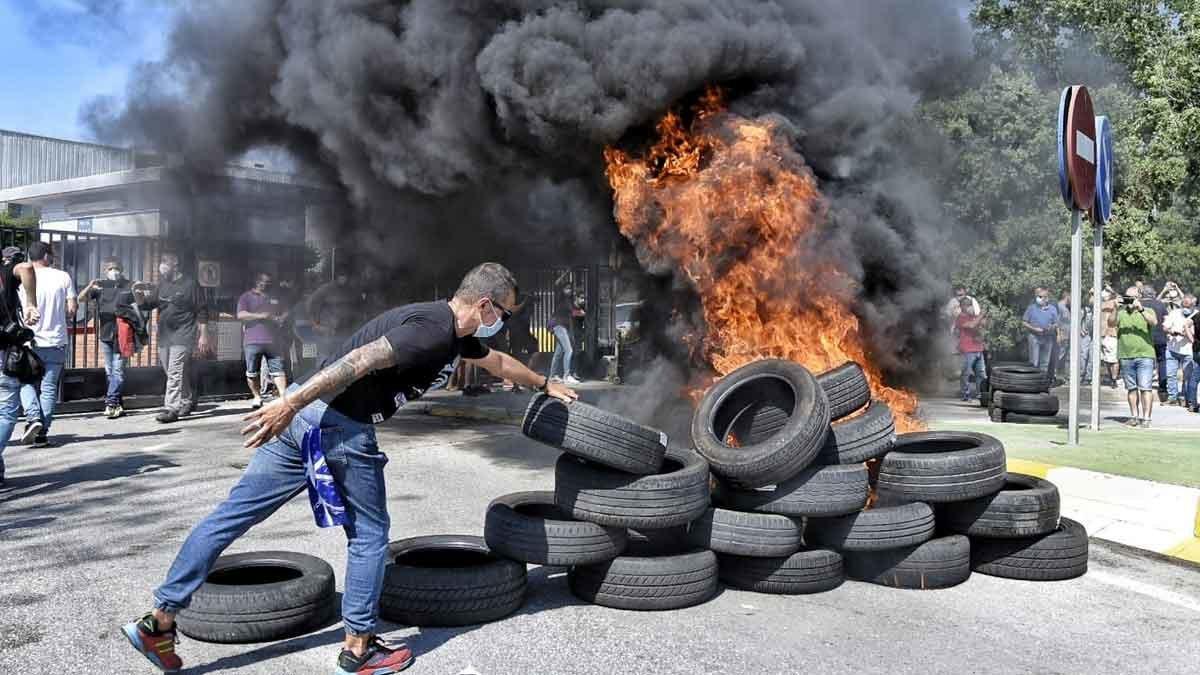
(379, 659)
(158, 646)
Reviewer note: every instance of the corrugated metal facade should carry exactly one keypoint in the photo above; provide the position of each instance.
(26, 160)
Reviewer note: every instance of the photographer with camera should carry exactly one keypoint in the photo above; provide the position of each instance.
(1135, 349)
(14, 273)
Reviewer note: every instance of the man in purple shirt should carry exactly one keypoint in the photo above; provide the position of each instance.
(261, 314)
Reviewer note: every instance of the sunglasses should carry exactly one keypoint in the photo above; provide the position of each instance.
(505, 314)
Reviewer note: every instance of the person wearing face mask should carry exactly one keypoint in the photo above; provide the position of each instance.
(560, 325)
(112, 293)
(1109, 363)
(394, 358)
(1041, 323)
(182, 329)
(261, 316)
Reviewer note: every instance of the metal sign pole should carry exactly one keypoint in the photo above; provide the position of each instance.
(1076, 321)
(1097, 319)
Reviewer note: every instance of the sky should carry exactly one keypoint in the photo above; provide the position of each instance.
(57, 54)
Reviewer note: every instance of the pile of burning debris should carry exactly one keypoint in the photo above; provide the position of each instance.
(776, 496)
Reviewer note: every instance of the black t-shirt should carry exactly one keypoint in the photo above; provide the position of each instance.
(10, 293)
(110, 294)
(180, 306)
(426, 347)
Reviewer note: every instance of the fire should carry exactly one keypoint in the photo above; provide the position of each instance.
(730, 203)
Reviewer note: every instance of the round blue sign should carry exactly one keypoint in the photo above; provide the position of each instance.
(1064, 106)
(1104, 170)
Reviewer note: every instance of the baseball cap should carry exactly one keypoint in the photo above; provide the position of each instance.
(10, 251)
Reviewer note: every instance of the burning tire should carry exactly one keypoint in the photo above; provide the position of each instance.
(873, 530)
(1042, 405)
(816, 491)
(668, 582)
(759, 535)
(259, 597)
(593, 434)
(813, 571)
(859, 439)
(656, 543)
(942, 466)
(937, 563)
(1062, 554)
(1026, 507)
(1019, 379)
(847, 389)
(746, 407)
(597, 494)
(529, 526)
(449, 580)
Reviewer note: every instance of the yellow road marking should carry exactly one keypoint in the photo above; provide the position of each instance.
(1187, 550)
(1029, 468)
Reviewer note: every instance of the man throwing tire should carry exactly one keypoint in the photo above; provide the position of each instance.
(396, 357)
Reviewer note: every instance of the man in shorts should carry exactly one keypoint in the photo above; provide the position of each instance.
(1108, 341)
(1135, 349)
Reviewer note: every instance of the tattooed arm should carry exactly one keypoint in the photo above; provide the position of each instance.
(269, 421)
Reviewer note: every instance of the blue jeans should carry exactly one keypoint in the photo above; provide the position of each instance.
(254, 355)
(39, 400)
(274, 476)
(972, 365)
(1039, 349)
(1138, 373)
(562, 351)
(114, 370)
(1177, 373)
(1189, 390)
(10, 395)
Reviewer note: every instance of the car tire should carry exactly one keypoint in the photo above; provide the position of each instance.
(766, 453)
(1062, 554)
(1027, 506)
(937, 563)
(595, 435)
(942, 466)
(449, 580)
(876, 529)
(260, 597)
(530, 527)
(1044, 405)
(847, 389)
(656, 543)
(862, 438)
(651, 584)
(1019, 379)
(816, 491)
(760, 535)
(676, 496)
(809, 571)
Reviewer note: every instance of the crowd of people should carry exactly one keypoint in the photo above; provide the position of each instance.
(1147, 343)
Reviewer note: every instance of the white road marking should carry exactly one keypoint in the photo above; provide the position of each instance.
(1143, 588)
(152, 448)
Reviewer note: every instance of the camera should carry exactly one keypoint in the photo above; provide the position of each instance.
(1128, 302)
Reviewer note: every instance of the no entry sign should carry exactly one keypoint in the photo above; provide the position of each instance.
(1064, 183)
(1081, 148)
(1104, 170)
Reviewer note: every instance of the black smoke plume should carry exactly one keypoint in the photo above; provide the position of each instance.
(460, 130)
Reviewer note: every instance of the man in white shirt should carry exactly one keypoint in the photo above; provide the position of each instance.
(56, 305)
(1179, 329)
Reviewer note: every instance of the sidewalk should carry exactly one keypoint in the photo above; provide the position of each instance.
(1159, 511)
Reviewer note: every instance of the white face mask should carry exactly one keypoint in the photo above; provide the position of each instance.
(164, 269)
(113, 275)
(488, 330)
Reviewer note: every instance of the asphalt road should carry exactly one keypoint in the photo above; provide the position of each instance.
(88, 529)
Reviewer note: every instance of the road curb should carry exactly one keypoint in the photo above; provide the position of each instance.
(1142, 514)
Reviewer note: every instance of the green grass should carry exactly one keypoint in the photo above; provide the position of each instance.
(1162, 456)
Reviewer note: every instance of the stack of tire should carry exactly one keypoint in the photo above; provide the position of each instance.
(777, 460)
(1021, 389)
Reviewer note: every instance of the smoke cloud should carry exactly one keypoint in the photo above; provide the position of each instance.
(467, 128)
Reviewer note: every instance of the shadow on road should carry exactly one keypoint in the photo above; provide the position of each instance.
(109, 468)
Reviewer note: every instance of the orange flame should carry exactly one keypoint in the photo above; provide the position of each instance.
(730, 203)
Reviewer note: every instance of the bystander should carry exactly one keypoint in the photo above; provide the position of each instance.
(113, 295)
(1109, 363)
(56, 306)
(971, 346)
(1041, 325)
(14, 273)
(1135, 349)
(1158, 337)
(1178, 327)
(261, 314)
